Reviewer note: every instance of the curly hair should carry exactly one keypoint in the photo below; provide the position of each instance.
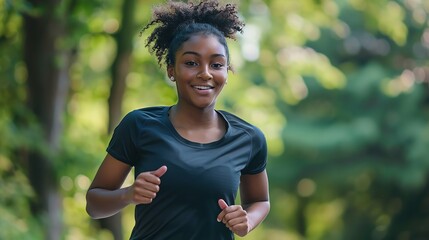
(176, 22)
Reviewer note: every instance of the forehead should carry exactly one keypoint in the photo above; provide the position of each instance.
(203, 44)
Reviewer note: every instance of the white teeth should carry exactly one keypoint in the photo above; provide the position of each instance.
(203, 87)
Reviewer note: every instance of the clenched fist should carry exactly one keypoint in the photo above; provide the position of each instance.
(146, 186)
(234, 217)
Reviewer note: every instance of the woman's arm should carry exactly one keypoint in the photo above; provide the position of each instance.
(105, 197)
(255, 205)
(254, 195)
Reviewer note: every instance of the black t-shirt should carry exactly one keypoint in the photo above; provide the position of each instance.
(198, 174)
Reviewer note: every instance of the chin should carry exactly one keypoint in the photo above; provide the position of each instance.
(205, 105)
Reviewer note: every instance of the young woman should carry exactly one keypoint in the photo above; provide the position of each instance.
(190, 159)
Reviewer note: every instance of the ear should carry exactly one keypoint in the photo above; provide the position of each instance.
(170, 70)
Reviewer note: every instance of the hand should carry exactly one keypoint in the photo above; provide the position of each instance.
(234, 217)
(146, 185)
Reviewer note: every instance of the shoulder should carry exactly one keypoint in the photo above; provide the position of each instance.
(240, 124)
(138, 118)
(146, 113)
(256, 143)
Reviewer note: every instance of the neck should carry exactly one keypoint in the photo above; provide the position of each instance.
(193, 117)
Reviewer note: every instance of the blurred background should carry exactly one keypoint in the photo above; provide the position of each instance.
(339, 87)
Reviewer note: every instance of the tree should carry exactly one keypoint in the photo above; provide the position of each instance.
(119, 71)
(349, 81)
(338, 87)
(47, 60)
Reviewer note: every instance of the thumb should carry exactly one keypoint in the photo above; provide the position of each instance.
(160, 171)
(222, 204)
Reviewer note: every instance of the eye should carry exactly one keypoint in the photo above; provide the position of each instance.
(217, 65)
(191, 63)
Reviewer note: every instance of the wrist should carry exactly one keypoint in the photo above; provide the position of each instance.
(127, 195)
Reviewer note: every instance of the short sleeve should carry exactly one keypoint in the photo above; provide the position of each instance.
(122, 145)
(258, 158)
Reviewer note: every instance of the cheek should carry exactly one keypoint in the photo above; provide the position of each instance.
(223, 77)
(186, 74)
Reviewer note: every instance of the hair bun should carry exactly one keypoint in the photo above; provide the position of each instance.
(172, 16)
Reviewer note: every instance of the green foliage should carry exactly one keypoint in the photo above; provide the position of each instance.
(340, 88)
(16, 221)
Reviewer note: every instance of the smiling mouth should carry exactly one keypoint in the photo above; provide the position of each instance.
(203, 87)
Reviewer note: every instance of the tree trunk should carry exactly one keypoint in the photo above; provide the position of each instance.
(47, 87)
(410, 220)
(301, 222)
(121, 64)
(119, 71)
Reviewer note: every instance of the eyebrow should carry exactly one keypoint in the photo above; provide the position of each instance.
(195, 53)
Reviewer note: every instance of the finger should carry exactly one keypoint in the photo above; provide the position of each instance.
(147, 177)
(146, 185)
(233, 212)
(236, 221)
(142, 200)
(145, 193)
(141, 195)
(223, 205)
(160, 171)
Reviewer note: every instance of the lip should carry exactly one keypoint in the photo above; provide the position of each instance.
(202, 89)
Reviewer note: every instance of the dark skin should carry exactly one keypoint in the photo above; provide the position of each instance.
(200, 72)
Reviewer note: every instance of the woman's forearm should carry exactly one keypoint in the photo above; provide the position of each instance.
(102, 203)
(256, 212)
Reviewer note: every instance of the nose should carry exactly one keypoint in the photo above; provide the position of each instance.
(204, 73)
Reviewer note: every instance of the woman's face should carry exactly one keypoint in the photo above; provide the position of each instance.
(200, 71)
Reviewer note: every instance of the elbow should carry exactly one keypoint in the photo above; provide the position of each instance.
(268, 207)
(90, 211)
(89, 207)
(265, 207)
